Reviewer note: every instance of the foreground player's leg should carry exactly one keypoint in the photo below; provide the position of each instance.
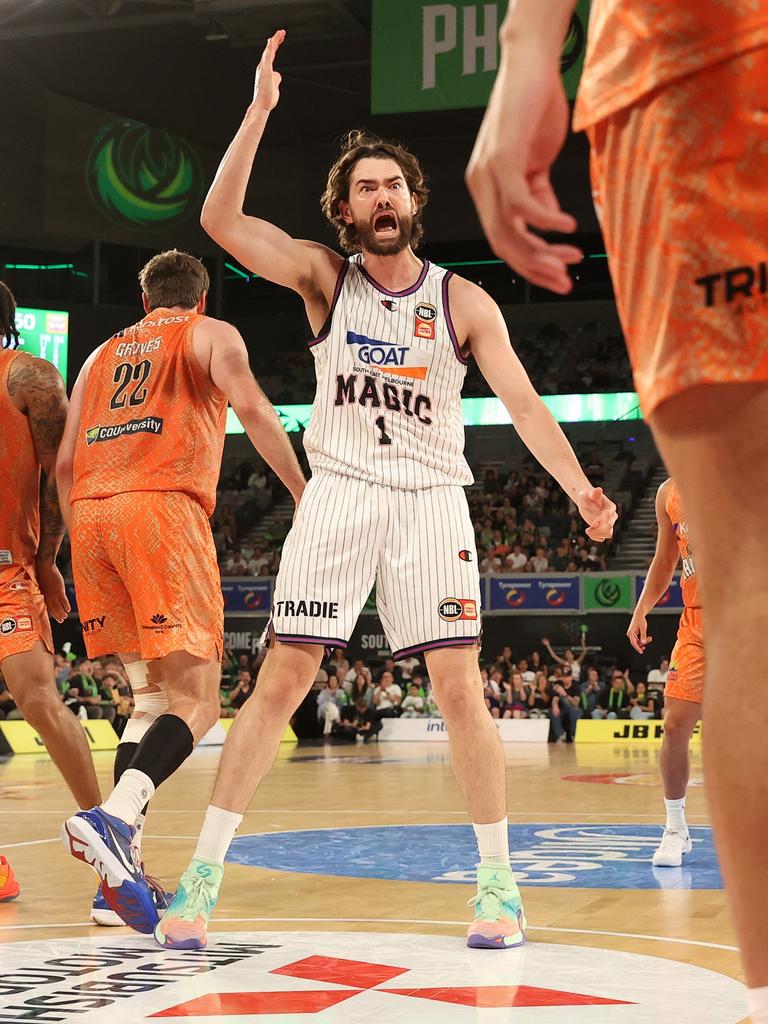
(103, 837)
(478, 763)
(150, 702)
(9, 887)
(30, 680)
(714, 441)
(249, 751)
(680, 718)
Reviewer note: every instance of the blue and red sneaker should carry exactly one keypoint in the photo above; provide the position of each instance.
(104, 843)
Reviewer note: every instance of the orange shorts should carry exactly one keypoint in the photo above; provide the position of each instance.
(146, 575)
(679, 187)
(23, 615)
(685, 680)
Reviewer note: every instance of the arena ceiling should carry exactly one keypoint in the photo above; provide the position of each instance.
(189, 64)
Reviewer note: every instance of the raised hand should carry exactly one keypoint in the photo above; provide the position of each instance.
(266, 90)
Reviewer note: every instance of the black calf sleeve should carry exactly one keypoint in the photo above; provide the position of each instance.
(123, 757)
(165, 746)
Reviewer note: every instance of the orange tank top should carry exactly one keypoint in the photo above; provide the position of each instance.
(635, 46)
(688, 580)
(20, 491)
(151, 418)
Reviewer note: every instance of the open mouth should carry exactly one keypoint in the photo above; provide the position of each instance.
(385, 224)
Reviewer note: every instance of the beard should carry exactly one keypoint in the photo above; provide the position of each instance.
(385, 247)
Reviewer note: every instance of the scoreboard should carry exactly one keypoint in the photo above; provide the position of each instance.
(45, 333)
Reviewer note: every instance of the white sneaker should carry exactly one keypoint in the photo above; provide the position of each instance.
(671, 849)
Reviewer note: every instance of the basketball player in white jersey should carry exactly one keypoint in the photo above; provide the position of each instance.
(392, 336)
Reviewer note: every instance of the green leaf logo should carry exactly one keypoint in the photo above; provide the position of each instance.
(143, 177)
(607, 593)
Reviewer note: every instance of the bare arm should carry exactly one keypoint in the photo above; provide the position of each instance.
(231, 373)
(524, 128)
(539, 430)
(660, 573)
(38, 387)
(66, 460)
(307, 267)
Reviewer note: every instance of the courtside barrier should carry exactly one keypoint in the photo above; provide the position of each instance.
(215, 737)
(625, 731)
(21, 738)
(432, 730)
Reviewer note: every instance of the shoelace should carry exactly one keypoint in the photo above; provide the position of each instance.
(478, 901)
(158, 891)
(197, 900)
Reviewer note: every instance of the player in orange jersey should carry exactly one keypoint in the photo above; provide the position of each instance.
(137, 473)
(33, 409)
(685, 683)
(673, 97)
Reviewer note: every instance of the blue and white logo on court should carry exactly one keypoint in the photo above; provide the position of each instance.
(572, 856)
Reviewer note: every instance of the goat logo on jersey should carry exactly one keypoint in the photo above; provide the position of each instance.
(390, 357)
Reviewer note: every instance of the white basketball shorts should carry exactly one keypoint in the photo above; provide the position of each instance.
(418, 547)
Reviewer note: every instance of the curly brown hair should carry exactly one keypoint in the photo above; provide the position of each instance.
(9, 335)
(357, 145)
(174, 278)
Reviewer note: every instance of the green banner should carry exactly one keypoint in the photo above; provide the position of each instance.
(429, 56)
(608, 593)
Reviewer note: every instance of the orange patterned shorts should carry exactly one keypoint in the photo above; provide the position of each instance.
(686, 667)
(146, 575)
(679, 186)
(23, 615)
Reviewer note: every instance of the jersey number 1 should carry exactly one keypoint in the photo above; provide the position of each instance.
(384, 437)
(124, 374)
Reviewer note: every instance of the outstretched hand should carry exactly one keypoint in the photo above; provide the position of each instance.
(508, 175)
(266, 90)
(598, 511)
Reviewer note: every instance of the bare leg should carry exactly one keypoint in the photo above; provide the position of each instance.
(192, 688)
(251, 746)
(476, 751)
(679, 722)
(715, 443)
(31, 682)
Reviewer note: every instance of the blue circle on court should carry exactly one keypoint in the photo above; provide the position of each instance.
(571, 856)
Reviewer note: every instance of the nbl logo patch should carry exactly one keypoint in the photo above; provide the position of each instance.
(7, 626)
(454, 609)
(424, 327)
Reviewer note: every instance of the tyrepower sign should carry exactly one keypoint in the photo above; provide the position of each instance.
(444, 56)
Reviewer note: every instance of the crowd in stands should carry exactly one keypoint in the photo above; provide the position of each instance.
(349, 702)
(560, 359)
(525, 523)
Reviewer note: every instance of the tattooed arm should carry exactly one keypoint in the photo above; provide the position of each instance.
(37, 389)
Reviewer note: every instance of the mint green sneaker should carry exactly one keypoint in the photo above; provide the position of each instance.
(499, 919)
(185, 922)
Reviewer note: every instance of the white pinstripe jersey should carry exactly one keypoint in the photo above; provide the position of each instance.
(389, 377)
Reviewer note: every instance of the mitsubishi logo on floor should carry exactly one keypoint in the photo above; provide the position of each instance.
(356, 978)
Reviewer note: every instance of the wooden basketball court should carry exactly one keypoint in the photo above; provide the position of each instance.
(388, 845)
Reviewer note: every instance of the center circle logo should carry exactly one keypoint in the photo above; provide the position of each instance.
(607, 593)
(348, 977)
(143, 177)
(585, 856)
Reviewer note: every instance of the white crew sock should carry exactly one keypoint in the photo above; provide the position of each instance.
(757, 1001)
(217, 833)
(493, 842)
(139, 825)
(676, 815)
(129, 795)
